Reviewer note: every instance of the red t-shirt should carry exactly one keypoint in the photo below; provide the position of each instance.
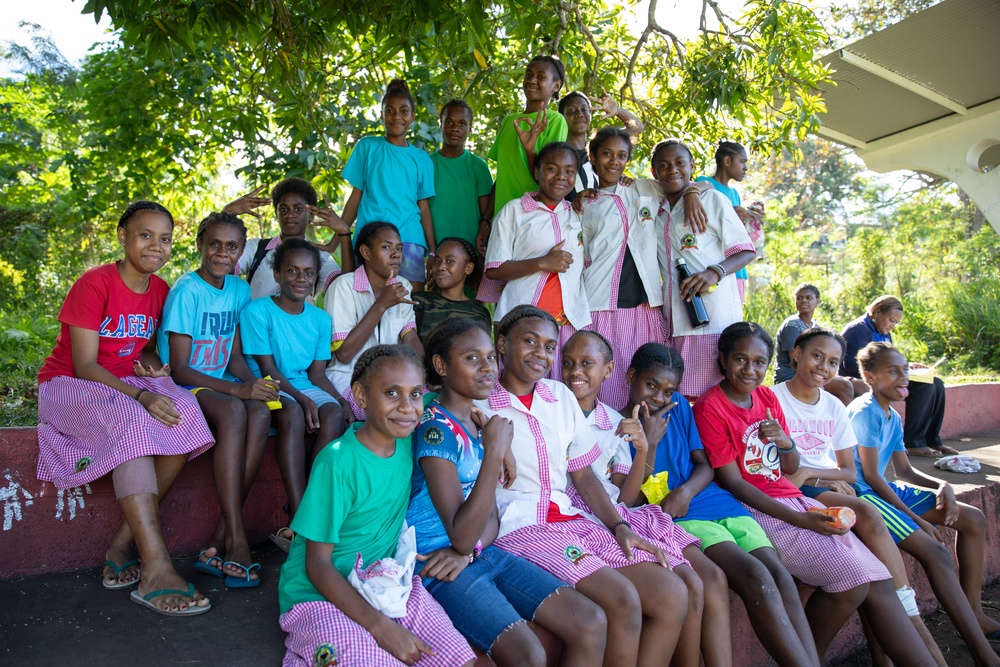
(550, 300)
(729, 433)
(100, 301)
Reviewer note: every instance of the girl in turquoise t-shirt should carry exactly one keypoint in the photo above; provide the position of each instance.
(523, 134)
(354, 507)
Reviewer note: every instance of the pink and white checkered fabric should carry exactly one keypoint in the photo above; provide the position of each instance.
(320, 635)
(627, 329)
(834, 563)
(87, 429)
(701, 363)
(570, 550)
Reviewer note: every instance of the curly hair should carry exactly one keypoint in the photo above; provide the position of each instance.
(606, 133)
(294, 185)
(294, 245)
(366, 237)
(558, 68)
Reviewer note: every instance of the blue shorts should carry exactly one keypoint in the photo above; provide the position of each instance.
(492, 594)
(317, 396)
(812, 491)
(899, 523)
(412, 267)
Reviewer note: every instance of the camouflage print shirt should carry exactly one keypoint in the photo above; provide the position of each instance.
(432, 308)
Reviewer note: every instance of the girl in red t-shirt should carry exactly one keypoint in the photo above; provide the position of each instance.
(743, 429)
(106, 405)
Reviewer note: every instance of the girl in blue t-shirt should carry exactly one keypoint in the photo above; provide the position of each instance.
(393, 181)
(729, 535)
(490, 593)
(199, 337)
(289, 340)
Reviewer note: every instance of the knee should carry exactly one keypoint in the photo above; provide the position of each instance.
(694, 587)
(939, 555)
(623, 606)
(258, 413)
(670, 594)
(973, 521)
(525, 651)
(590, 625)
(757, 584)
(853, 596)
(869, 518)
(714, 580)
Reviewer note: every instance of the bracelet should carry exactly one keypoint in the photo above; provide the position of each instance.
(343, 233)
(787, 451)
(620, 523)
(138, 394)
(691, 190)
(720, 269)
(486, 220)
(651, 467)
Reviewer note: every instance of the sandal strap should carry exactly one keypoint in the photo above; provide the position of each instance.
(210, 558)
(118, 568)
(246, 570)
(170, 591)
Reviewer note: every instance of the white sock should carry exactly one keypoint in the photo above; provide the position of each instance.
(908, 597)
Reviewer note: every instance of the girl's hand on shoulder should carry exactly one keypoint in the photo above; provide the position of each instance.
(626, 181)
(819, 523)
(655, 422)
(590, 194)
(695, 215)
(628, 540)
(443, 564)
(247, 203)
(399, 642)
(259, 390)
(311, 413)
(161, 408)
(150, 372)
(631, 431)
(946, 501)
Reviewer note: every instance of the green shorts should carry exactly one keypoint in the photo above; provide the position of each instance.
(743, 530)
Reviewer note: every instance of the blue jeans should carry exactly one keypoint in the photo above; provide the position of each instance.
(492, 594)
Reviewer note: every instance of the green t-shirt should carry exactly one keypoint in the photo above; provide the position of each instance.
(354, 500)
(459, 183)
(513, 176)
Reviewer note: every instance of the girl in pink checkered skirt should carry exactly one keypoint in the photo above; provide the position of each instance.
(743, 428)
(106, 405)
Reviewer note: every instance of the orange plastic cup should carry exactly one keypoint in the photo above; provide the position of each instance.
(843, 517)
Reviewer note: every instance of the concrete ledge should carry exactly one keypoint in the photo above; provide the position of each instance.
(968, 408)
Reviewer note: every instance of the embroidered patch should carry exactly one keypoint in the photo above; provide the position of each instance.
(579, 239)
(325, 655)
(645, 213)
(127, 350)
(433, 435)
(689, 242)
(426, 417)
(574, 554)
(82, 464)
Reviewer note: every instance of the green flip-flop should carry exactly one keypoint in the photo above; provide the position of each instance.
(147, 601)
(118, 585)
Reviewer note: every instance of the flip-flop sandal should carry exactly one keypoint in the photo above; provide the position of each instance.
(245, 581)
(147, 601)
(924, 452)
(283, 542)
(946, 450)
(118, 585)
(205, 567)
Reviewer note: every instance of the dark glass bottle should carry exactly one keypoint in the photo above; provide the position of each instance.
(695, 307)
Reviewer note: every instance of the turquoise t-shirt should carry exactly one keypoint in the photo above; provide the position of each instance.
(441, 435)
(459, 182)
(873, 429)
(295, 341)
(209, 316)
(393, 179)
(513, 176)
(354, 500)
(734, 196)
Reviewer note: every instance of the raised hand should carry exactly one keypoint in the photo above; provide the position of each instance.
(556, 260)
(608, 105)
(392, 294)
(247, 203)
(631, 431)
(654, 423)
(528, 131)
(770, 431)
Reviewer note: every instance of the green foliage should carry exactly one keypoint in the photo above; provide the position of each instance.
(26, 338)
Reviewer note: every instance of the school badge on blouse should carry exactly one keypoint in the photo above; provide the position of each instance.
(645, 214)
(574, 554)
(433, 435)
(325, 655)
(82, 464)
(689, 242)
(579, 238)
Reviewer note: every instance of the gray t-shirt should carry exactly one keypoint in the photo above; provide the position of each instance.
(785, 340)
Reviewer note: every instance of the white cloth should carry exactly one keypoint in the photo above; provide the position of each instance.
(605, 221)
(958, 463)
(724, 237)
(387, 582)
(348, 299)
(551, 440)
(263, 283)
(820, 430)
(615, 455)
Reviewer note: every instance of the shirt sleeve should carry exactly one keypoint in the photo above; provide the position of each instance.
(435, 438)
(494, 152)
(425, 174)
(86, 303)
(733, 234)
(339, 303)
(179, 312)
(857, 337)
(354, 170)
(405, 315)
(866, 429)
(246, 259)
(328, 270)
(843, 434)
(326, 503)
(556, 130)
(584, 449)
(621, 462)
(482, 177)
(323, 336)
(255, 330)
(503, 233)
(787, 333)
(715, 435)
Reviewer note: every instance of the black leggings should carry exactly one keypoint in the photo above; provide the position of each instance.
(924, 415)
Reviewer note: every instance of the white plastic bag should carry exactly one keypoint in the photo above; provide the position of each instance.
(386, 583)
(958, 463)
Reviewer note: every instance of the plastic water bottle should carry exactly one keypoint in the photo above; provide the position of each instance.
(695, 307)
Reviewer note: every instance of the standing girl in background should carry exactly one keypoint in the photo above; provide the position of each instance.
(354, 507)
(746, 439)
(523, 135)
(731, 165)
(575, 108)
(392, 180)
(289, 340)
(493, 591)
(535, 249)
(370, 306)
(604, 559)
(587, 362)
(711, 256)
(200, 338)
(105, 405)
(910, 511)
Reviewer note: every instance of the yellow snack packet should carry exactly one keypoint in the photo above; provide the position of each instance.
(273, 405)
(655, 487)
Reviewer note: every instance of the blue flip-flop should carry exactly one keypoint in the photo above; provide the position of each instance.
(205, 568)
(118, 585)
(245, 581)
